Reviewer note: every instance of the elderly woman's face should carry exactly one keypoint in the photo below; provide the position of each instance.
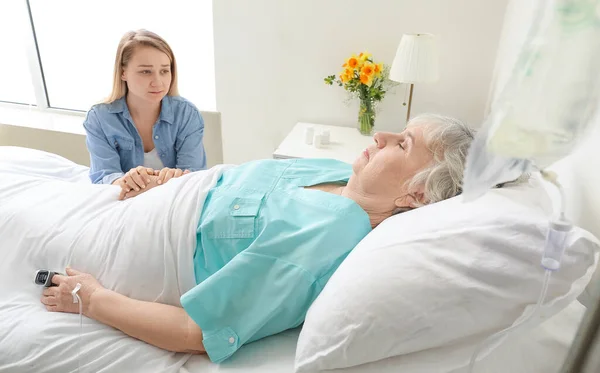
(385, 167)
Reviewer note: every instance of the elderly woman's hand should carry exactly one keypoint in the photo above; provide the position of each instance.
(60, 299)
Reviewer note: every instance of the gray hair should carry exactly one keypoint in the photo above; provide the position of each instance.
(449, 141)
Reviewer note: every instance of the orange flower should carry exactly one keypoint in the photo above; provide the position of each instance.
(344, 78)
(349, 72)
(378, 68)
(366, 79)
(352, 62)
(368, 69)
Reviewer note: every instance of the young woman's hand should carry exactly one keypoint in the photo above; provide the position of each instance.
(152, 180)
(137, 178)
(167, 174)
(59, 298)
(132, 193)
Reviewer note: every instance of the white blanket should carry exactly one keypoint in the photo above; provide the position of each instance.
(142, 248)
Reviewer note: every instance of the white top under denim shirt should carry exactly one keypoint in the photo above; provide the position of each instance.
(115, 145)
(152, 160)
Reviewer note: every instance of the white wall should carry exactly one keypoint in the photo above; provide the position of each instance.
(271, 57)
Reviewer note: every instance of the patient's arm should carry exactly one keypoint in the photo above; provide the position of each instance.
(161, 325)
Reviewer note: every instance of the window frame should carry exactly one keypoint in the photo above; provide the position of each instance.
(40, 86)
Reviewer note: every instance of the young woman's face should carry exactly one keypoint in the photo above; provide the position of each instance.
(148, 74)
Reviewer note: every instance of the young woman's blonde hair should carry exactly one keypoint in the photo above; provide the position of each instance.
(129, 42)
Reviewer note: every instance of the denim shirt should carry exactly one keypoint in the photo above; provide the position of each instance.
(115, 144)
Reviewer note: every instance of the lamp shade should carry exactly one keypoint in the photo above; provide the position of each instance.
(416, 59)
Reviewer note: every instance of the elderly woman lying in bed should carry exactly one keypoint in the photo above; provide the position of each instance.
(272, 233)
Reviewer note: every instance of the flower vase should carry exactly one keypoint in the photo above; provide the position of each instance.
(366, 118)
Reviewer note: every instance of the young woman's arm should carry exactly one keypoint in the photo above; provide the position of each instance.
(161, 325)
(105, 162)
(190, 148)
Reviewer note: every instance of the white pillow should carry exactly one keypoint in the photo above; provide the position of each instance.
(427, 286)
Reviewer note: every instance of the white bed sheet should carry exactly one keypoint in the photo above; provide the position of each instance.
(142, 248)
(540, 351)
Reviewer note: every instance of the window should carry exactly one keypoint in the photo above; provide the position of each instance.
(15, 70)
(77, 43)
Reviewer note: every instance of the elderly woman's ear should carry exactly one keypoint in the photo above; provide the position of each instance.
(417, 199)
(410, 201)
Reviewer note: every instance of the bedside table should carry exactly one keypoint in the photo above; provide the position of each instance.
(345, 143)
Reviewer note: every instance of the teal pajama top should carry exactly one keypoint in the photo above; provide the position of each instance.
(266, 247)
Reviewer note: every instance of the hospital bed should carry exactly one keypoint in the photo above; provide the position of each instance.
(531, 353)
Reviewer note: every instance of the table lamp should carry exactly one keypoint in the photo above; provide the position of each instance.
(416, 61)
